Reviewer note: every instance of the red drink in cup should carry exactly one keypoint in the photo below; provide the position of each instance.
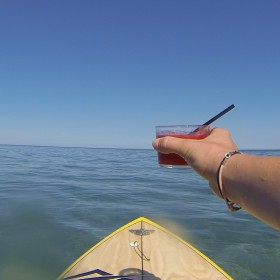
(196, 132)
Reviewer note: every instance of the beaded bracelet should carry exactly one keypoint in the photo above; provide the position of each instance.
(231, 205)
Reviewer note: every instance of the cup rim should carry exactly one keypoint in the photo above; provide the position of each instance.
(183, 125)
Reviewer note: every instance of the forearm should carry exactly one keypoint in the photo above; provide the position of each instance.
(253, 182)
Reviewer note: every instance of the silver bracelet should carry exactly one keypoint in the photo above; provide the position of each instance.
(231, 205)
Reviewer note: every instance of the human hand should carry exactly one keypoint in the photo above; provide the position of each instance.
(204, 155)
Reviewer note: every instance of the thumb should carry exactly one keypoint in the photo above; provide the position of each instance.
(169, 144)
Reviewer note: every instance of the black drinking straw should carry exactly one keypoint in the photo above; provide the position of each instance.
(216, 117)
(219, 115)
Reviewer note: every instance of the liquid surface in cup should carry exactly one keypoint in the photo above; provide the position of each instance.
(174, 159)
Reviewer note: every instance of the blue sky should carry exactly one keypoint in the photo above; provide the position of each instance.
(104, 73)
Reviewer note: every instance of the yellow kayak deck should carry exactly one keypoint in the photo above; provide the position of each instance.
(143, 250)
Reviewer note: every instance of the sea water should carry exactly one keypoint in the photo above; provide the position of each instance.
(55, 203)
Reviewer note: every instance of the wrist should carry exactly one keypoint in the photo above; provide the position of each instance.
(213, 182)
(220, 184)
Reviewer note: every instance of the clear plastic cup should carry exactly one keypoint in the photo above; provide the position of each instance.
(196, 132)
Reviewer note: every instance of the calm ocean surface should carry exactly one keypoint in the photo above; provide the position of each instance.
(55, 203)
